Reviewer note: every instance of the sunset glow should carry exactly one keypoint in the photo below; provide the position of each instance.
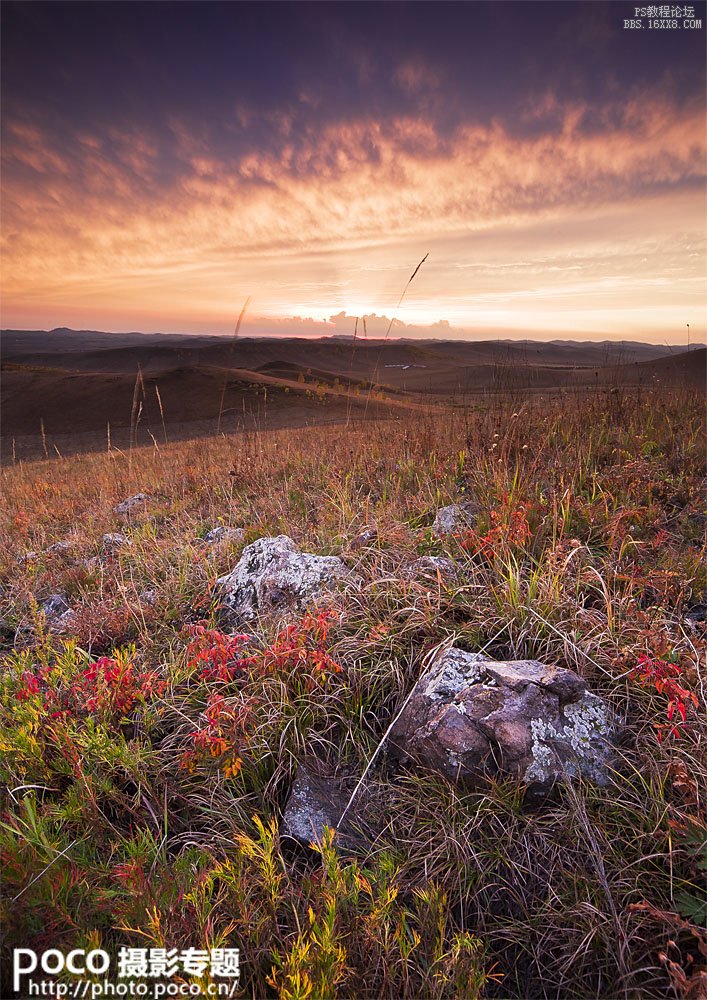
(154, 177)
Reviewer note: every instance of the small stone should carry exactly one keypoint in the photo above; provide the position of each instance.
(148, 597)
(223, 533)
(56, 610)
(434, 567)
(696, 613)
(58, 547)
(450, 519)
(365, 537)
(126, 506)
(317, 802)
(113, 541)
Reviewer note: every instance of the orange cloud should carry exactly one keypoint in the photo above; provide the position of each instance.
(107, 224)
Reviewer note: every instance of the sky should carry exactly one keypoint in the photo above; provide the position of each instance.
(163, 162)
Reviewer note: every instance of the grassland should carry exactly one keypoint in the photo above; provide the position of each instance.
(144, 790)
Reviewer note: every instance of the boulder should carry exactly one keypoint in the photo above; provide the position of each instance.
(128, 505)
(472, 718)
(451, 519)
(273, 576)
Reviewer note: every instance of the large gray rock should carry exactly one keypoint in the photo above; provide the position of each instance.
(273, 576)
(471, 718)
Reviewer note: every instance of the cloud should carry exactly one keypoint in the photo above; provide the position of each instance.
(169, 216)
(414, 76)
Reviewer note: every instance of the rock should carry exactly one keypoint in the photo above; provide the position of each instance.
(451, 519)
(148, 597)
(58, 547)
(273, 576)
(126, 506)
(365, 537)
(7, 634)
(697, 612)
(27, 557)
(223, 533)
(471, 718)
(56, 610)
(114, 541)
(318, 802)
(433, 566)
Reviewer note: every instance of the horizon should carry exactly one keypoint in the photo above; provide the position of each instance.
(479, 339)
(306, 163)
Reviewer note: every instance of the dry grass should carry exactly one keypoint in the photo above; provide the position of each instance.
(463, 894)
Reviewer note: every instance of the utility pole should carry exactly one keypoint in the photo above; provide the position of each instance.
(688, 336)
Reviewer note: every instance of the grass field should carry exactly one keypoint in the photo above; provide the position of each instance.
(147, 762)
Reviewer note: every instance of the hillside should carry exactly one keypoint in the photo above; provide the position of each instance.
(74, 384)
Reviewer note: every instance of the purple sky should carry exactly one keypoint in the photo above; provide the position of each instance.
(164, 161)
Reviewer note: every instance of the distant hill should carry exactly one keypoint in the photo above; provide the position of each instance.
(77, 382)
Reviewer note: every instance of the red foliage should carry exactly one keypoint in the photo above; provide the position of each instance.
(301, 646)
(663, 677)
(217, 655)
(299, 649)
(509, 529)
(107, 688)
(130, 872)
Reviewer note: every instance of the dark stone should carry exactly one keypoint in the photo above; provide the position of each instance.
(316, 802)
(697, 613)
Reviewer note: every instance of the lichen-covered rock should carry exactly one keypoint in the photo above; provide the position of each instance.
(451, 519)
(273, 576)
(223, 533)
(128, 505)
(471, 718)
